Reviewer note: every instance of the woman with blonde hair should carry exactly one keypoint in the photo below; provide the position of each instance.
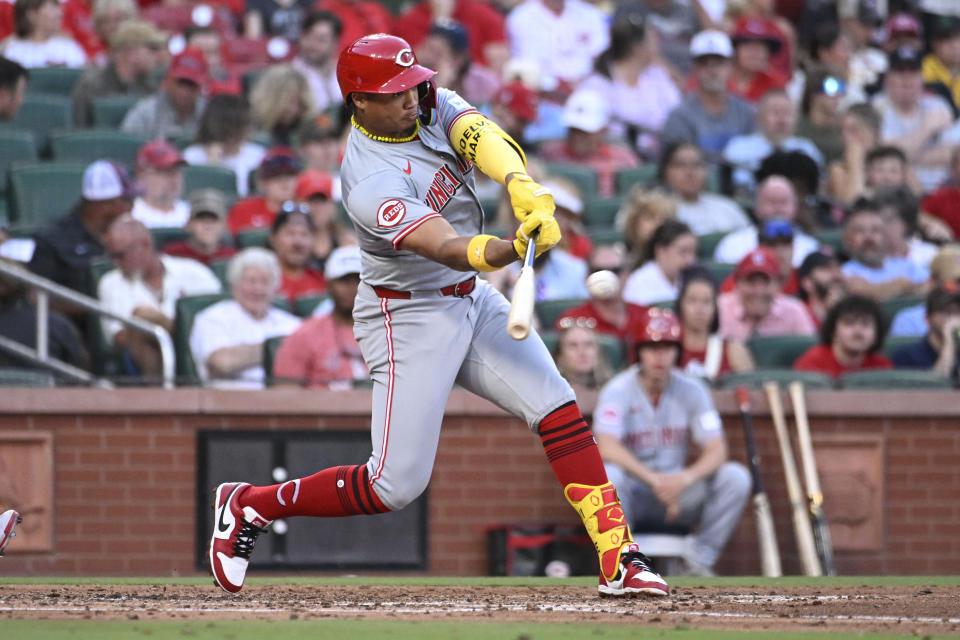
(281, 102)
(580, 357)
(642, 212)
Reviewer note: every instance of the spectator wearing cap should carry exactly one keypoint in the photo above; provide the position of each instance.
(223, 139)
(446, 50)
(899, 211)
(704, 353)
(586, 115)
(65, 248)
(323, 353)
(268, 18)
(223, 78)
(756, 307)
(606, 308)
(850, 338)
(276, 184)
(291, 238)
(670, 250)
(562, 36)
(944, 273)
(281, 103)
(205, 229)
(145, 284)
(637, 83)
(128, 72)
(315, 191)
(902, 30)
(672, 23)
(227, 337)
(914, 120)
(871, 270)
(754, 43)
(568, 212)
(13, 88)
(38, 41)
(514, 106)
(942, 64)
(175, 109)
(777, 235)
(316, 59)
(820, 284)
(485, 27)
(160, 177)
(776, 199)
(710, 115)
(937, 350)
(776, 120)
(940, 210)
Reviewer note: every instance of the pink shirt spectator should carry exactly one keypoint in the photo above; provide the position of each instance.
(787, 316)
(321, 354)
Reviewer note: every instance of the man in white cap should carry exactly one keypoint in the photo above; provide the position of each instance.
(586, 115)
(65, 248)
(322, 353)
(710, 116)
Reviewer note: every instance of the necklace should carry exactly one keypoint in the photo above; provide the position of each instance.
(416, 132)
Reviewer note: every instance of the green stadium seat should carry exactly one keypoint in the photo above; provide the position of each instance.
(15, 146)
(89, 145)
(583, 178)
(831, 238)
(601, 212)
(719, 270)
(257, 237)
(892, 306)
(304, 306)
(270, 348)
(549, 310)
(756, 379)
(707, 244)
(778, 351)
(665, 304)
(57, 81)
(198, 176)
(613, 348)
(894, 343)
(162, 236)
(109, 112)
(44, 115)
(187, 309)
(219, 268)
(15, 377)
(43, 192)
(604, 235)
(902, 379)
(625, 179)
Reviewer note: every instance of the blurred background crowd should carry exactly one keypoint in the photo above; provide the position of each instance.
(783, 174)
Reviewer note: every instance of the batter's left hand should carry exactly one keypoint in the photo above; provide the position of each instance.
(526, 197)
(542, 224)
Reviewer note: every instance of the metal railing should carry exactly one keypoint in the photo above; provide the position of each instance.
(45, 289)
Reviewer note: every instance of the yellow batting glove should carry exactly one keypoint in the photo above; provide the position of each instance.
(542, 224)
(527, 196)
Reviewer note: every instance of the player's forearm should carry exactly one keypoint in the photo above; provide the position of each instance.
(228, 361)
(614, 452)
(713, 455)
(454, 253)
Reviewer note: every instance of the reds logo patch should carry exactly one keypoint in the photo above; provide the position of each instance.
(391, 213)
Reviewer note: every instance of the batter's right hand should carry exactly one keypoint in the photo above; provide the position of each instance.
(546, 228)
(526, 197)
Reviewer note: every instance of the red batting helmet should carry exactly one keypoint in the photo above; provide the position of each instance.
(379, 63)
(660, 325)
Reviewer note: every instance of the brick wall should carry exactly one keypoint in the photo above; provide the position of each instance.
(125, 471)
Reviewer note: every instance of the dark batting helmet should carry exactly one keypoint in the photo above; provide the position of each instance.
(381, 63)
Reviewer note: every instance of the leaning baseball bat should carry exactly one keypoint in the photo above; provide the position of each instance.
(762, 514)
(801, 519)
(821, 532)
(521, 305)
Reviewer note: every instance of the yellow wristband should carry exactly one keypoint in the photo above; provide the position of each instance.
(476, 251)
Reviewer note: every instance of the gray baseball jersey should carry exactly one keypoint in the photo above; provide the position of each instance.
(416, 349)
(658, 436)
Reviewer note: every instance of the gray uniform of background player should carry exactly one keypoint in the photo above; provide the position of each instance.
(417, 349)
(660, 438)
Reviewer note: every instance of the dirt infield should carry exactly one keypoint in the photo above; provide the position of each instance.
(899, 610)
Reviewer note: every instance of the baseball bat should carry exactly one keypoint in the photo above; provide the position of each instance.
(521, 305)
(762, 514)
(801, 519)
(821, 531)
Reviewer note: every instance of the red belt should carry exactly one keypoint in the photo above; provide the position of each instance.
(459, 290)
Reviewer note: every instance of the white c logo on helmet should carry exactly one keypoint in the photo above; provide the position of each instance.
(405, 57)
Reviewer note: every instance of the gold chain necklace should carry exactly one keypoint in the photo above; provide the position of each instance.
(416, 132)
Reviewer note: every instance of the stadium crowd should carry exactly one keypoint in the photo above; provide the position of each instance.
(783, 174)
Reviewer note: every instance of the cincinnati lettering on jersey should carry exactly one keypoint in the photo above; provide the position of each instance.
(656, 438)
(444, 185)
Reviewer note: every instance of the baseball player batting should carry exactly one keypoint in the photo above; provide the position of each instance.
(425, 322)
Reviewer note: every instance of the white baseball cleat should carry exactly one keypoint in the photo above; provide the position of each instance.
(634, 577)
(8, 523)
(235, 532)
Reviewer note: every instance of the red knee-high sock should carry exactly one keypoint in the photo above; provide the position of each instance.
(337, 491)
(570, 447)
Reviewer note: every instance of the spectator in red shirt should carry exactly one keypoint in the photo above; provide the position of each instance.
(778, 236)
(820, 284)
(586, 115)
(754, 42)
(611, 315)
(92, 24)
(206, 226)
(291, 238)
(850, 338)
(322, 353)
(485, 27)
(514, 107)
(940, 211)
(276, 182)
